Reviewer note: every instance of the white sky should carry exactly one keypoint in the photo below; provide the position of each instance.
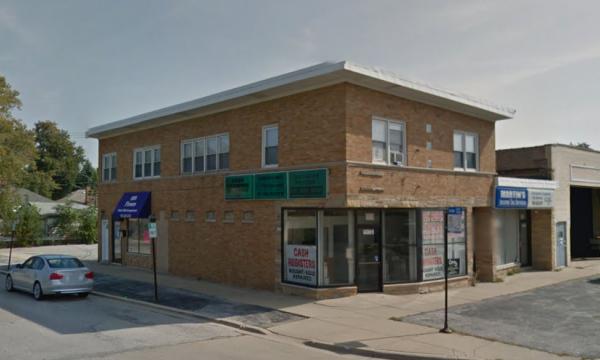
(85, 63)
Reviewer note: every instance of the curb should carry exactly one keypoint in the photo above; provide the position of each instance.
(370, 353)
(231, 323)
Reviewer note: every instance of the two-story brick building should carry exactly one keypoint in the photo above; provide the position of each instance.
(330, 180)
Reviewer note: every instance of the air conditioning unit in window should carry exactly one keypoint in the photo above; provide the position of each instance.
(396, 158)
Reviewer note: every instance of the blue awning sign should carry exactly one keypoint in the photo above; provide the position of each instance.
(133, 205)
(511, 197)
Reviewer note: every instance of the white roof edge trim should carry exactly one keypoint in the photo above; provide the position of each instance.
(527, 183)
(295, 76)
(391, 77)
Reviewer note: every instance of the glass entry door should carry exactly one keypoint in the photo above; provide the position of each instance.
(368, 251)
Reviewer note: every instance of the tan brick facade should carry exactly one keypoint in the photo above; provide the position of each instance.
(327, 128)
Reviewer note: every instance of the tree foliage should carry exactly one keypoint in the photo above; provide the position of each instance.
(29, 225)
(44, 160)
(77, 224)
(17, 147)
(582, 145)
(87, 177)
(58, 156)
(9, 203)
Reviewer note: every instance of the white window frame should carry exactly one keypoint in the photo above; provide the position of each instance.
(264, 145)
(464, 135)
(109, 156)
(143, 151)
(387, 141)
(205, 143)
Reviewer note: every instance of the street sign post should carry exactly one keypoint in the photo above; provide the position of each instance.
(153, 233)
(12, 239)
(446, 329)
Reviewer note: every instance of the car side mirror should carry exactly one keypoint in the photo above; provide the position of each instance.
(19, 266)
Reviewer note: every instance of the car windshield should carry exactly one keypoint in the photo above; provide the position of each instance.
(64, 263)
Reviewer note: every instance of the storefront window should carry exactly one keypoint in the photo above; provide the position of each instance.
(328, 247)
(507, 244)
(432, 241)
(400, 246)
(138, 240)
(336, 250)
(300, 246)
(457, 259)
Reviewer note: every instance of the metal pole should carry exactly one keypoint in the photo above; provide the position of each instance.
(12, 239)
(154, 269)
(446, 329)
(153, 234)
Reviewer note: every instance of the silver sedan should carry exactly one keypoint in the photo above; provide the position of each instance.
(50, 274)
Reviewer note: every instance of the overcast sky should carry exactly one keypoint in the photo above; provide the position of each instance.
(86, 63)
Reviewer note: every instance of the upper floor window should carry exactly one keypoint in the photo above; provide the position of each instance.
(205, 154)
(466, 151)
(270, 146)
(146, 162)
(109, 167)
(388, 141)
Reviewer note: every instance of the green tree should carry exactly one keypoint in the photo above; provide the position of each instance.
(9, 203)
(87, 225)
(58, 156)
(17, 153)
(17, 146)
(29, 225)
(77, 224)
(67, 221)
(87, 177)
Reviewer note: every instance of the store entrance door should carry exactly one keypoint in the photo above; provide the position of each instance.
(368, 247)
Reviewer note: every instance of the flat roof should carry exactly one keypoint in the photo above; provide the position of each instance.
(568, 146)
(305, 79)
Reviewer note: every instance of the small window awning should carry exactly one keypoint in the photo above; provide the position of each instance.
(133, 205)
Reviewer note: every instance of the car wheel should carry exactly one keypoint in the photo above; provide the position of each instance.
(37, 291)
(83, 295)
(8, 283)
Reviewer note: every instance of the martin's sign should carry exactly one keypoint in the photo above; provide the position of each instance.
(508, 197)
(511, 197)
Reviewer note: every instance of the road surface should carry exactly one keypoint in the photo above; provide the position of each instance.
(70, 328)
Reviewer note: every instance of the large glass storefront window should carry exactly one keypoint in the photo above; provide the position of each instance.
(336, 250)
(400, 249)
(138, 240)
(507, 244)
(300, 246)
(335, 247)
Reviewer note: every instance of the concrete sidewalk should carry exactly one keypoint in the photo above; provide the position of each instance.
(371, 321)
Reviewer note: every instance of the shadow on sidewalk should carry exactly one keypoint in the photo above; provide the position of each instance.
(204, 305)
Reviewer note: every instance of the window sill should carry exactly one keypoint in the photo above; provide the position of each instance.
(146, 178)
(507, 266)
(137, 254)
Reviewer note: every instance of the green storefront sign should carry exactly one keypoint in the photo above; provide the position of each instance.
(300, 184)
(308, 184)
(239, 187)
(270, 186)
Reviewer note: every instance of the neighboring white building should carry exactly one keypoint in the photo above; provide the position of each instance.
(576, 208)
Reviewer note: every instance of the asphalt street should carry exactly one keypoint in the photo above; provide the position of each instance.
(563, 318)
(71, 328)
